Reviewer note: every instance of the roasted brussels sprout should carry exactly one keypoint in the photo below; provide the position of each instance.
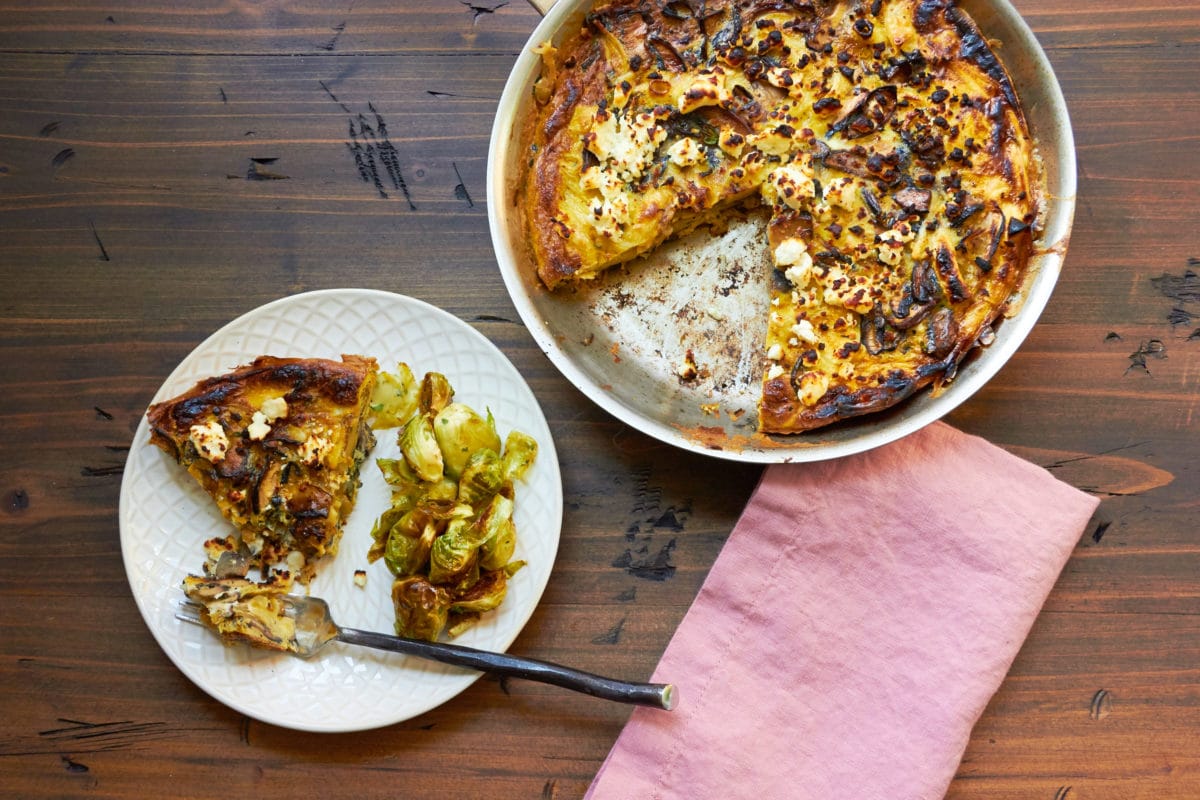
(407, 555)
(459, 621)
(445, 491)
(420, 449)
(487, 593)
(436, 393)
(481, 479)
(497, 550)
(382, 531)
(454, 553)
(398, 474)
(520, 449)
(492, 520)
(431, 511)
(421, 608)
(395, 398)
(449, 535)
(460, 432)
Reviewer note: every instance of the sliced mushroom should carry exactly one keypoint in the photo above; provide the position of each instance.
(924, 282)
(920, 295)
(907, 314)
(872, 203)
(230, 564)
(913, 200)
(857, 161)
(875, 333)
(902, 68)
(927, 11)
(869, 112)
(942, 333)
(677, 9)
(984, 262)
(947, 270)
(848, 161)
(665, 52)
(268, 484)
(964, 213)
(1017, 227)
(727, 37)
(746, 105)
(723, 118)
(856, 103)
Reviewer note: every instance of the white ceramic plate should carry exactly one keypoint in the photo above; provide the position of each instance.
(165, 518)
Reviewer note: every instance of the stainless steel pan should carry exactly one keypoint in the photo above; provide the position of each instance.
(625, 339)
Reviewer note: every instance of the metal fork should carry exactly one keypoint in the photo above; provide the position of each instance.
(316, 628)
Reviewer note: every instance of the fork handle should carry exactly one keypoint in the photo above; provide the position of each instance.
(657, 695)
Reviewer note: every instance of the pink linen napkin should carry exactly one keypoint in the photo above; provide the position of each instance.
(858, 619)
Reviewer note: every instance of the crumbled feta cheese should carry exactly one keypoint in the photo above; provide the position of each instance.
(611, 208)
(626, 144)
(686, 152)
(800, 272)
(782, 77)
(774, 372)
(776, 141)
(804, 330)
(845, 291)
(600, 180)
(611, 214)
(209, 440)
(839, 193)
(259, 427)
(891, 244)
(295, 562)
(732, 143)
(274, 408)
(813, 386)
(789, 251)
(793, 254)
(707, 90)
(791, 185)
(775, 352)
(360, 578)
(315, 448)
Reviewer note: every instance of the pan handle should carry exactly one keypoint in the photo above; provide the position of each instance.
(543, 6)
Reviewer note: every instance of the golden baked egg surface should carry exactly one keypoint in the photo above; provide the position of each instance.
(883, 140)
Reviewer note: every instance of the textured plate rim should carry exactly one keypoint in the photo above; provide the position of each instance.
(456, 681)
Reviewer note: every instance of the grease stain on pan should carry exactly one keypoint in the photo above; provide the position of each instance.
(691, 315)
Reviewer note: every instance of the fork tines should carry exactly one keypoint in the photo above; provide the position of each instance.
(188, 611)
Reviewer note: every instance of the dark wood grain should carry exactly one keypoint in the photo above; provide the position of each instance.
(166, 167)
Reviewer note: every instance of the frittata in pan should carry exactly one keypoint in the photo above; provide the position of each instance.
(883, 138)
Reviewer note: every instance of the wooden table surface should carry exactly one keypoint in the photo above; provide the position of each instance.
(165, 167)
